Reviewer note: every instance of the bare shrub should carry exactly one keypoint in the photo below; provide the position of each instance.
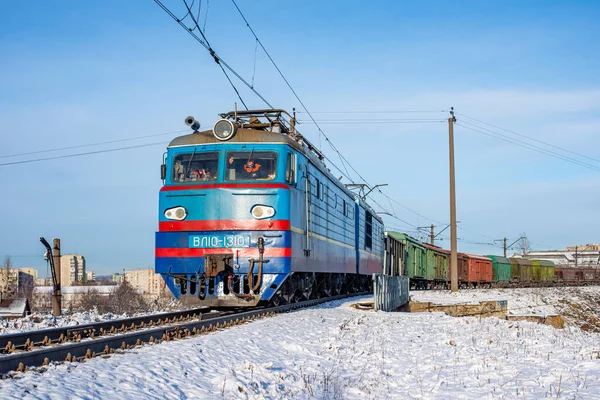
(92, 299)
(524, 244)
(125, 299)
(166, 301)
(26, 290)
(7, 285)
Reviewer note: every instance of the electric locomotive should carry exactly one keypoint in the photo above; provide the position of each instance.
(249, 214)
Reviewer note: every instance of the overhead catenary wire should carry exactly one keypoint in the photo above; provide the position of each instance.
(342, 158)
(393, 215)
(213, 53)
(206, 15)
(520, 143)
(83, 154)
(531, 138)
(223, 64)
(377, 112)
(375, 121)
(91, 144)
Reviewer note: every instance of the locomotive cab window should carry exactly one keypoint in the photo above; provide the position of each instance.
(251, 165)
(195, 167)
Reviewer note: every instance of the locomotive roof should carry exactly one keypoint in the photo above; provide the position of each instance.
(242, 135)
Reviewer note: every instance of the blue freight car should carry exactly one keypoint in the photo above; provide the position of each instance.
(249, 213)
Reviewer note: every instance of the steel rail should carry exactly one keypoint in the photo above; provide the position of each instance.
(23, 340)
(104, 345)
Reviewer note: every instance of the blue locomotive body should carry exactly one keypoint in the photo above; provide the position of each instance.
(257, 217)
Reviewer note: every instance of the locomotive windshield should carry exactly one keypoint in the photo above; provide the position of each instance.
(251, 165)
(194, 167)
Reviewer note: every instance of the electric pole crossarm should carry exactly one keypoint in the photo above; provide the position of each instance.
(509, 246)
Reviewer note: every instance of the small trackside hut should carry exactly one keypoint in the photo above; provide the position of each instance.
(391, 288)
(249, 214)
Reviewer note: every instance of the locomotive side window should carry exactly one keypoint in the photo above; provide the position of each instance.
(368, 230)
(195, 167)
(320, 190)
(251, 165)
(290, 169)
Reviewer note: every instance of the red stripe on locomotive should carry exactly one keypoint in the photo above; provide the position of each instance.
(241, 252)
(225, 225)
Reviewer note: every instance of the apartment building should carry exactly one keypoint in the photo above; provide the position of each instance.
(149, 283)
(90, 276)
(72, 269)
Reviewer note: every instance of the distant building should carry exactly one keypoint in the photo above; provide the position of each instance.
(72, 269)
(26, 280)
(71, 295)
(90, 276)
(23, 278)
(572, 256)
(43, 281)
(30, 271)
(148, 282)
(117, 278)
(591, 246)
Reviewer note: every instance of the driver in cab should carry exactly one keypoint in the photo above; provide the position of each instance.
(252, 169)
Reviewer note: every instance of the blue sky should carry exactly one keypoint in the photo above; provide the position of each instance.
(75, 73)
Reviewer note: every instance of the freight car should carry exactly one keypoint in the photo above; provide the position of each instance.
(249, 214)
(427, 266)
(438, 260)
(501, 271)
(415, 260)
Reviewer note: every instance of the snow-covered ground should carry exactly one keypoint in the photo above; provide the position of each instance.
(336, 352)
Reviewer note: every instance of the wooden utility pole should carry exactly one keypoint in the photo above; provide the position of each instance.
(431, 236)
(453, 246)
(504, 247)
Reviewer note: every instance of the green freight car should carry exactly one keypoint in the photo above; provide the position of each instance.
(501, 270)
(549, 268)
(415, 261)
(521, 270)
(437, 265)
(537, 272)
(545, 271)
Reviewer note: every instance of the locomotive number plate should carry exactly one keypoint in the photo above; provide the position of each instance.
(219, 241)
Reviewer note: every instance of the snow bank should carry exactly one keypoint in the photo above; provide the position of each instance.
(334, 351)
(575, 304)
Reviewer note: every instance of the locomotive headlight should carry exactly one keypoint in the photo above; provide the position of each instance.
(261, 212)
(176, 213)
(224, 129)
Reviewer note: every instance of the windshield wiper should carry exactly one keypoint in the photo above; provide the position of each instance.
(190, 163)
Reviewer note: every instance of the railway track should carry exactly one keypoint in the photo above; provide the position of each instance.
(71, 344)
